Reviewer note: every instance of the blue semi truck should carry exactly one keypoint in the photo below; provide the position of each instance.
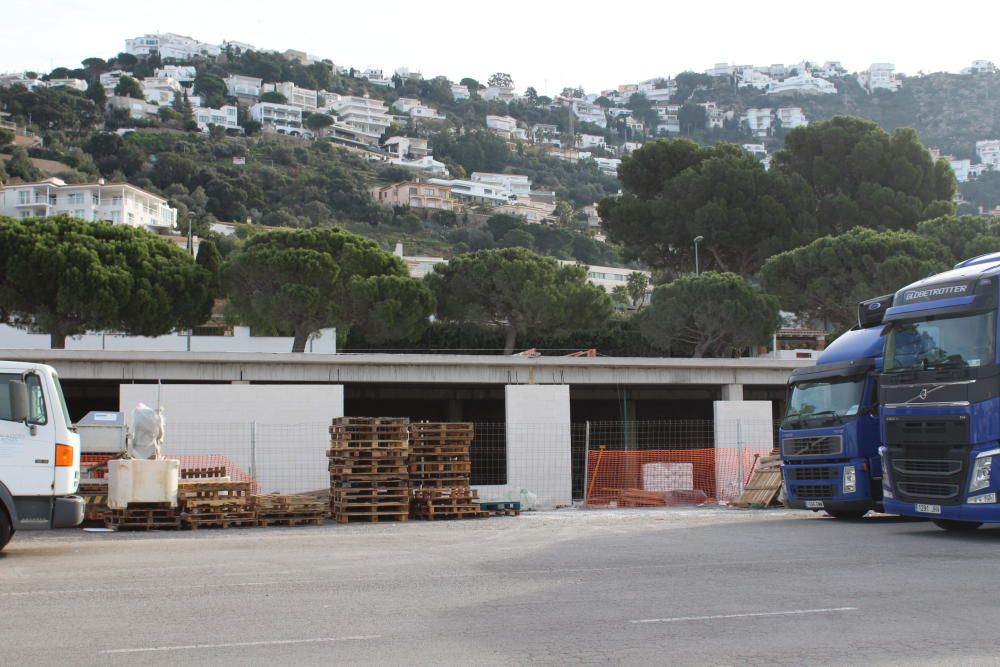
(830, 433)
(940, 391)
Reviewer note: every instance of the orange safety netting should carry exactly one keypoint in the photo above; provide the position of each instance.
(650, 478)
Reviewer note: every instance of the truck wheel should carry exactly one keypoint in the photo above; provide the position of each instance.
(852, 514)
(6, 530)
(950, 524)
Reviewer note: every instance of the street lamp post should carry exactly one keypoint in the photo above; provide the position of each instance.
(191, 238)
(697, 240)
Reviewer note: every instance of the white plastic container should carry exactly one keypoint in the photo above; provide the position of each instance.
(139, 481)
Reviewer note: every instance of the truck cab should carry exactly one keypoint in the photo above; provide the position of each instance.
(940, 389)
(39, 452)
(830, 432)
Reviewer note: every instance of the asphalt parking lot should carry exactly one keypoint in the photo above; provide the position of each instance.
(699, 586)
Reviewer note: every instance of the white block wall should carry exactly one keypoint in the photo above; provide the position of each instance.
(538, 446)
(280, 430)
(742, 428)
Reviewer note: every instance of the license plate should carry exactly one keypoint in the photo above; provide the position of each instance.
(814, 504)
(928, 509)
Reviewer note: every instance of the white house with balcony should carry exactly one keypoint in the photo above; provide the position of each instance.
(180, 73)
(170, 45)
(586, 141)
(376, 77)
(880, 76)
(110, 79)
(989, 152)
(715, 118)
(160, 91)
(758, 121)
(74, 84)
(791, 117)
(136, 108)
(224, 117)
(460, 92)
(961, 168)
(476, 192)
(303, 98)
(246, 89)
(499, 94)
(586, 112)
(721, 69)
(669, 119)
(518, 184)
(608, 165)
(657, 90)
(416, 109)
(802, 83)
(750, 77)
(120, 203)
(610, 277)
(362, 117)
(504, 125)
(980, 67)
(282, 118)
(20, 79)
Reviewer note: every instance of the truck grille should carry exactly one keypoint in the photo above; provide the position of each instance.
(824, 445)
(801, 474)
(815, 490)
(926, 467)
(926, 490)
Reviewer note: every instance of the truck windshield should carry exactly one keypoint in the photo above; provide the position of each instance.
(833, 397)
(954, 342)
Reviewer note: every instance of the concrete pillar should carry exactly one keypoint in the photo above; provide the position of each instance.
(732, 392)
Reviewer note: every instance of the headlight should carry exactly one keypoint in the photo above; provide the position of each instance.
(983, 499)
(883, 454)
(850, 479)
(981, 473)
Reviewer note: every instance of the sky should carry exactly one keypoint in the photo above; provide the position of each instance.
(547, 45)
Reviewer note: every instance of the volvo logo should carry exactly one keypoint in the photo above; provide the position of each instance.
(923, 394)
(874, 306)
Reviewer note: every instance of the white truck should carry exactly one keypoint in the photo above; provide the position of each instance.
(39, 452)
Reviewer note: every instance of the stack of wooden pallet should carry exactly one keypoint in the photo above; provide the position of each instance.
(764, 486)
(440, 469)
(283, 510)
(215, 503)
(144, 516)
(368, 473)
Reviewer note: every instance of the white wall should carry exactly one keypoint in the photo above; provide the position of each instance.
(742, 429)
(323, 342)
(538, 445)
(281, 431)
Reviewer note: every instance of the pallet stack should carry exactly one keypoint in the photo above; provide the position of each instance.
(764, 486)
(368, 471)
(440, 470)
(283, 510)
(215, 503)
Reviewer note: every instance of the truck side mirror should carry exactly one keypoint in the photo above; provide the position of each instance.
(18, 401)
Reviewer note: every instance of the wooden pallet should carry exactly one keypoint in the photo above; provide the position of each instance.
(288, 504)
(219, 520)
(148, 516)
(500, 507)
(291, 520)
(764, 486)
(641, 498)
(370, 517)
(204, 473)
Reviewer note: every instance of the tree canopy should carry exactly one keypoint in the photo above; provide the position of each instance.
(826, 279)
(713, 314)
(862, 175)
(64, 276)
(675, 190)
(296, 282)
(519, 290)
(129, 87)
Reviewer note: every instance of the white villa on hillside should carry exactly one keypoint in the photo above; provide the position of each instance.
(364, 118)
(120, 203)
(170, 45)
(282, 118)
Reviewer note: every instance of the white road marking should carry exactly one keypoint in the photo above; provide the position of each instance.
(275, 642)
(792, 612)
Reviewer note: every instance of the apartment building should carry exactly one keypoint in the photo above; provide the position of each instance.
(758, 121)
(365, 118)
(586, 112)
(282, 118)
(791, 117)
(170, 45)
(476, 192)
(610, 277)
(119, 203)
(302, 98)
(989, 152)
(418, 195)
(502, 125)
(224, 117)
(715, 118)
(407, 147)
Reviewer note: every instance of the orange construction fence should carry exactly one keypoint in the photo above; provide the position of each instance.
(649, 478)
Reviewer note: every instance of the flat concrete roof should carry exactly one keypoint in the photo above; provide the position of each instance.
(407, 368)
